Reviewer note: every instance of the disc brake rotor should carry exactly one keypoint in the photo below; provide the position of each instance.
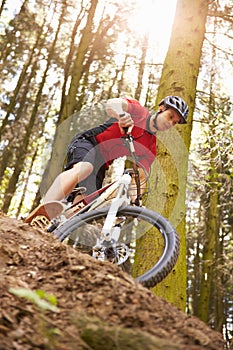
(117, 255)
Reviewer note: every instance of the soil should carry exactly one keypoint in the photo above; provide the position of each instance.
(98, 305)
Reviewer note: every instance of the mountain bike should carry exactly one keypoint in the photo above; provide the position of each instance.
(108, 225)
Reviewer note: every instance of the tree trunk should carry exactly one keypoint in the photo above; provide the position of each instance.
(2, 6)
(168, 178)
(220, 318)
(62, 138)
(141, 67)
(208, 254)
(87, 37)
(70, 55)
(212, 229)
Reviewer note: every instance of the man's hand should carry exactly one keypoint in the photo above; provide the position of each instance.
(117, 108)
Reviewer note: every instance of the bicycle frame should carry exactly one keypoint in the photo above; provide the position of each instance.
(98, 198)
(121, 186)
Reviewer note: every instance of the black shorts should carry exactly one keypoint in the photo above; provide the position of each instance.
(83, 150)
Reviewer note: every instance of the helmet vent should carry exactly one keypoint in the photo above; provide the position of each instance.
(178, 104)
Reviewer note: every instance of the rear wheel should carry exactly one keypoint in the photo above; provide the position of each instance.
(134, 223)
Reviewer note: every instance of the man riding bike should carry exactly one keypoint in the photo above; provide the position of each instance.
(91, 152)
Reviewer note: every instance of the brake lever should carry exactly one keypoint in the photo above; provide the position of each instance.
(125, 128)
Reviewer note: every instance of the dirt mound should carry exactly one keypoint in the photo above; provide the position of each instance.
(98, 306)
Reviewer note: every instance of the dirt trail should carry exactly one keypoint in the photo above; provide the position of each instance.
(98, 306)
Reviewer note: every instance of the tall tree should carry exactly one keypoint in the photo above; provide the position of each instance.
(141, 66)
(212, 222)
(2, 6)
(61, 140)
(86, 39)
(179, 77)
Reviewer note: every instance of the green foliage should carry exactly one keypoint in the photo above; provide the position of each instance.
(42, 299)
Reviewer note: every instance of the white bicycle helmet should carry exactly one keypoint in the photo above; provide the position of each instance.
(179, 105)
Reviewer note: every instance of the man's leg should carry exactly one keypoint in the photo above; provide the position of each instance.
(66, 181)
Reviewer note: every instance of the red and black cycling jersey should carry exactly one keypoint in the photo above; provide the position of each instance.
(111, 141)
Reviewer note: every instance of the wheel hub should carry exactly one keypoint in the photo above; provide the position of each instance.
(117, 254)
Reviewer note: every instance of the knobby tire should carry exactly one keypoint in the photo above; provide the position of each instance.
(171, 240)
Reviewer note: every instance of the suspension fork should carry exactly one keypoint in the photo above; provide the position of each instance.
(120, 199)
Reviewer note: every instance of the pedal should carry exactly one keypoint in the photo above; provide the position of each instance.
(40, 221)
(49, 210)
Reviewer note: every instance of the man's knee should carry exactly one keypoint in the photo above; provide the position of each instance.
(83, 169)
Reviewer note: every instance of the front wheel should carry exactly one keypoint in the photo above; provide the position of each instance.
(136, 224)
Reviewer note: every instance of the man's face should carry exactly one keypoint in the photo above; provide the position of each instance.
(167, 118)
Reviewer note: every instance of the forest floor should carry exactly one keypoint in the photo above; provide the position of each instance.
(98, 306)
